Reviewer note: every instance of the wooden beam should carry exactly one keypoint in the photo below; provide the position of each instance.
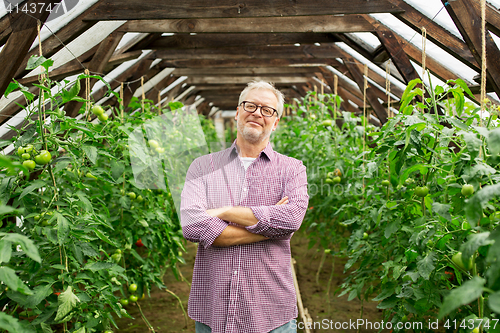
(244, 71)
(24, 32)
(435, 33)
(142, 70)
(294, 24)
(63, 36)
(245, 79)
(371, 97)
(245, 62)
(159, 9)
(97, 65)
(468, 22)
(184, 41)
(398, 56)
(255, 52)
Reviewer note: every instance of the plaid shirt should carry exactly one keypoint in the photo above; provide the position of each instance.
(243, 288)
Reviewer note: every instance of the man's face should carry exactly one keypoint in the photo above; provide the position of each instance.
(254, 127)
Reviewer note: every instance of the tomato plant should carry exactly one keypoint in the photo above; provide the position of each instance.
(74, 221)
(418, 219)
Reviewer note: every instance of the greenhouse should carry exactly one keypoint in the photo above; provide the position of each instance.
(250, 166)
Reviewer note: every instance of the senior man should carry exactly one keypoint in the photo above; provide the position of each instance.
(242, 205)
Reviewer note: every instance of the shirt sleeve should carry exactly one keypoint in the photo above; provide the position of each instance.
(197, 225)
(283, 220)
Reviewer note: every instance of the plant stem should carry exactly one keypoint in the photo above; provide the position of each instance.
(180, 302)
(320, 266)
(151, 329)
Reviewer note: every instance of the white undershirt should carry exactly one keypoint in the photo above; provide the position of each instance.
(247, 161)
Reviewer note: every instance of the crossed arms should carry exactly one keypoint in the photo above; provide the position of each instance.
(227, 226)
(243, 216)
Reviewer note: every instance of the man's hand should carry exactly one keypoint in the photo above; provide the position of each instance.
(233, 235)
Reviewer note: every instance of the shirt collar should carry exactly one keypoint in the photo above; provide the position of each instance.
(268, 151)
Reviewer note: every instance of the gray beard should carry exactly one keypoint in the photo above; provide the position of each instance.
(251, 135)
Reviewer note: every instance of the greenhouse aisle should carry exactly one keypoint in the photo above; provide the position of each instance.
(165, 315)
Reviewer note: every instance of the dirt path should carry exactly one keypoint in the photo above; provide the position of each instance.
(164, 312)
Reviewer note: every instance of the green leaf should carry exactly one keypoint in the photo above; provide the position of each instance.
(426, 265)
(389, 290)
(5, 251)
(97, 266)
(474, 207)
(84, 202)
(494, 141)
(46, 328)
(63, 228)
(33, 186)
(80, 330)
(457, 123)
(9, 277)
(35, 61)
(68, 95)
(91, 153)
(40, 293)
(10, 324)
(26, 244)
(104, 237)
(465, 294)
(475, 242)
(442, 210)
(12, 86)
(494, 302)
(67, 302)
(7, 210)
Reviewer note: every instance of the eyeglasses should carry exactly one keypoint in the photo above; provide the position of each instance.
(266, 111)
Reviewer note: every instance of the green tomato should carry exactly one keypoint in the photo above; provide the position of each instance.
(131, 195)
(26, 156)
(132, 288)
(133, 298)
(20, 151)
(116, 257)
(103, 117)
(153, 144)
(330, 175)
(45, 223)
(140, 198)
(43, 158)
(118, 251)
(326, 122)
(28, 148)
(89, 175)
(422, 191)
(36, 218)
(124, 301)
(29, 164)
(108, 331)
(467, 190)
(404, 319)
(97, 110)
(336, 180)
(458, 261)
(329, 181)
(365, 235)
(385, 182)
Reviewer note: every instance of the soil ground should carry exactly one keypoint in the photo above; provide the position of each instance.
(164, 313)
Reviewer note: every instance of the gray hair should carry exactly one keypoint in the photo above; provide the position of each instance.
(254, 85)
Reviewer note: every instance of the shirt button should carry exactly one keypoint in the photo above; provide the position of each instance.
(235, 272)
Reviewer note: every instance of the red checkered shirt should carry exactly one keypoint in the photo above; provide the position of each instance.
(243, 288)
